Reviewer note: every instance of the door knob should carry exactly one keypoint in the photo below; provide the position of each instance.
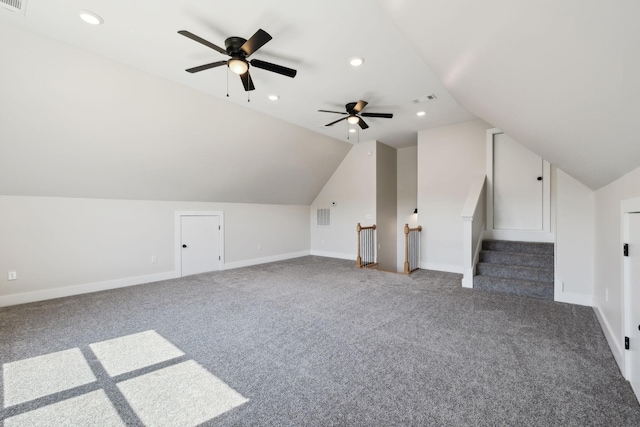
(184, 246)
(539, 178)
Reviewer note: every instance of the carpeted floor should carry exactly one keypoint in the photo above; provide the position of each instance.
(314, 342)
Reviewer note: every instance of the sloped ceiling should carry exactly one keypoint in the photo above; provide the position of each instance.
(73, 124)
(561, 77)
(109, 111)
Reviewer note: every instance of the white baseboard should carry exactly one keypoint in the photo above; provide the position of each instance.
(573, 298)
(449, 268)
(350, 257)
(86, 288)
(264, 260)
(613, 342)
(467, 279)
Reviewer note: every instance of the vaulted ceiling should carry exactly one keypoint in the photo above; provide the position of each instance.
(560, 76)
(109, 111)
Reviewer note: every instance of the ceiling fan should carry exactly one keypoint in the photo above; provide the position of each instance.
(354, 114)
(239, 50)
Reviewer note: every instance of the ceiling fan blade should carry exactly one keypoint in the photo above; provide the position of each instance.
(382, 115)
(259, 39)
(205, 67)
(362, 124)
(203, 41)
(337, 112)
(339, 120)
(359, 106)
(274, 68)
(247, 81)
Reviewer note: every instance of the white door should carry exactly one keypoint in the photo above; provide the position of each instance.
(517, 186)
(200, 241)
(633, 300)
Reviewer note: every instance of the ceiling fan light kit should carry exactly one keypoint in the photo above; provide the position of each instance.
(238, 66)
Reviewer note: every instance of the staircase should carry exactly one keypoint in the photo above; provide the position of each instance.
(520, 268)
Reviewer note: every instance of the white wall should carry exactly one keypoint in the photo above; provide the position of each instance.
(407, 197)
(386, 206)
(575, 240)
(95, 244)
(353, 188)
(450, 159)
(608, 257)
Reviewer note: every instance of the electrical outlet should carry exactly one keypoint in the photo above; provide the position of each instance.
(12, 275)
(154, 259)
(259, 247)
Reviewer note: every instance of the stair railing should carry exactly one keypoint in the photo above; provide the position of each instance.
(366, 246)
(474, 221)
(411, 248)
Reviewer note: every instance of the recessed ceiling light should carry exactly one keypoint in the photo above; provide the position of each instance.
(352, 130)
(356, 62)
(90, 17)
(420, 113)
(273, 97)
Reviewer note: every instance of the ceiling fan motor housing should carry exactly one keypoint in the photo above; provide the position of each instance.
(234, 46)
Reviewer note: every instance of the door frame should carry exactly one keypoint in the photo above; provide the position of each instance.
(178, 236)
(627, 207)
(543, 235)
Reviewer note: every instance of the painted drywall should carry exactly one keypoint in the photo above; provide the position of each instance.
(575, 239)
(54, 243)
(407, 197)
(84, 126)
(608, 286)
(353, 190)
(450, 159)
(386, 206)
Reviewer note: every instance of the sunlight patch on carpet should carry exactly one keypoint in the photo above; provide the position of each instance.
(39, 376)
(131, 352)
(182, 395)
(90, 409)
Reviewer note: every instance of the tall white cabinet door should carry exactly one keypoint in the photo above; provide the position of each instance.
(517, 186)
(633, 286)
(200, 241)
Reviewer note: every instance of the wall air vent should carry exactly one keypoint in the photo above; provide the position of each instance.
(14, 5)
(323, 218)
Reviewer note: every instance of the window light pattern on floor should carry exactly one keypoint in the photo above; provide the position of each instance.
(181, 394)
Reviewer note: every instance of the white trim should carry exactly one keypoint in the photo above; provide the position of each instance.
(449, 268)
(627, 207)
(85, 288)
(519, 236)
(178, 236)
(545, 234)
(469, 272)
(350, 257)
(264, 260)
(574, 298)
(610, 335)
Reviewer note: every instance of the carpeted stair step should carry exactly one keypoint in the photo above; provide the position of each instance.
(515, 272)
(530, 288)
(518, 247)
(522, 259)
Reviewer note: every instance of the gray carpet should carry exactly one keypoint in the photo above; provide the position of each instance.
(315, 342)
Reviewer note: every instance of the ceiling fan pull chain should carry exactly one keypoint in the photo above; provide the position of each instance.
(227, 82)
